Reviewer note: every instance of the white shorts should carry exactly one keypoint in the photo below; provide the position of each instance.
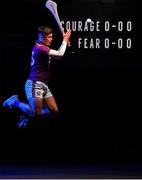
(37, 89)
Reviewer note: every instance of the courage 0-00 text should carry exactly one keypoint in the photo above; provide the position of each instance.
(97, 26)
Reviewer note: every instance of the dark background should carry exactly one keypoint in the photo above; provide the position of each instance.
(98, 91)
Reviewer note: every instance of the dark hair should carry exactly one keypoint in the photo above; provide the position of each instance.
(44, 30)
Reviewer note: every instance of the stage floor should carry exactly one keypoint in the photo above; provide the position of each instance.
(101, 171)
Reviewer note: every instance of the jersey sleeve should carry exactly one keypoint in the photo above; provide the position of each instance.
(57, 54)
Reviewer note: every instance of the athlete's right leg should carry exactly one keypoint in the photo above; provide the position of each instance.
(9, 103)
(35, 105)
(14, 101)
(24, 108)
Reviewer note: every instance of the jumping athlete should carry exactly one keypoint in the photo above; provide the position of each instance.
(41, 102)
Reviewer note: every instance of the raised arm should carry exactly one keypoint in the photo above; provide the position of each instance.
(57, 54)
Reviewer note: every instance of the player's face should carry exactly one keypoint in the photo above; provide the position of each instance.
(48, 39)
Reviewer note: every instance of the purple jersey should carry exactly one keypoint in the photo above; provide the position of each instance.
(40, 63)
